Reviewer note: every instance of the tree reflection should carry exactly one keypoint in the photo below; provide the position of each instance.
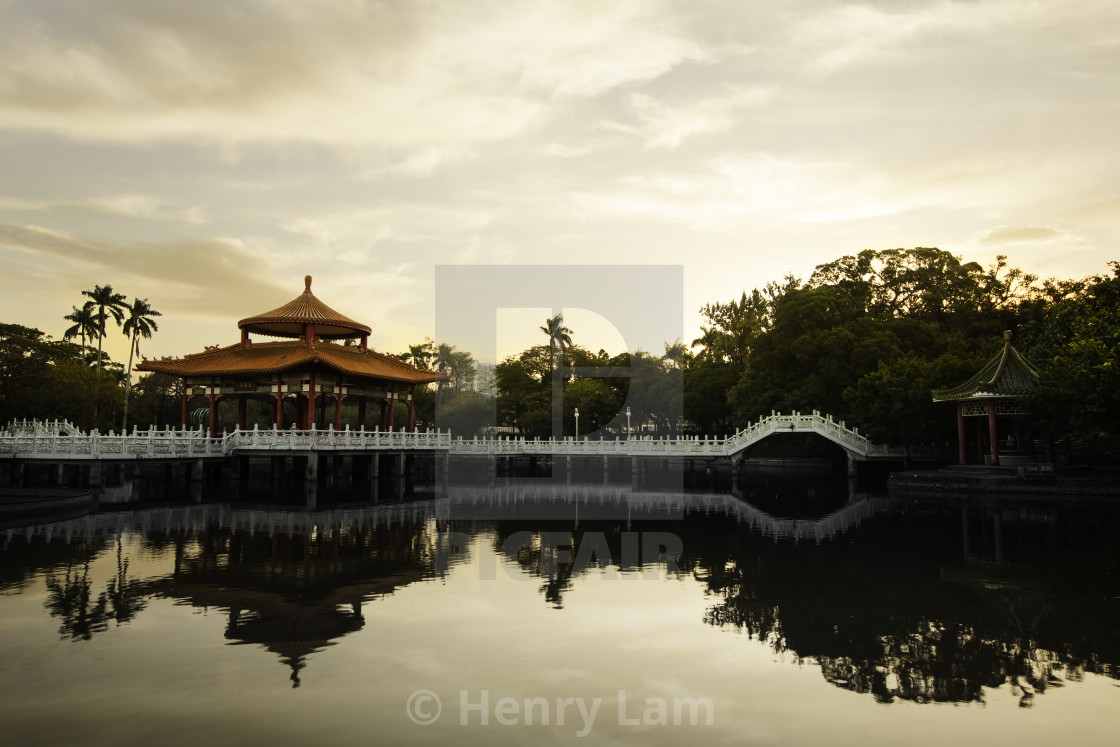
(886, 616)
(71, 599)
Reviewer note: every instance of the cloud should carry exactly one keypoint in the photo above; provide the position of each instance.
(1017, 235)
(120, 205)
(667, 126)
(219, 276)
(263, 71)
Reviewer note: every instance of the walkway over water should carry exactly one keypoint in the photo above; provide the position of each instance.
(60, 441)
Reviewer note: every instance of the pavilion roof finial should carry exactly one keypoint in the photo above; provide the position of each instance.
(307, 284)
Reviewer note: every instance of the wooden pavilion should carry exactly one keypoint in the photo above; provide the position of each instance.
(311, 368)
(1000, 388)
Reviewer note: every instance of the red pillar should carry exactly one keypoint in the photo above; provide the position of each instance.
(241, 411)
(992, 435)
(362, 411)
(279, 411)
(392, 401)
(213, 414)
(338, 410)
(960, 434)
(310, 404)
(411, 412)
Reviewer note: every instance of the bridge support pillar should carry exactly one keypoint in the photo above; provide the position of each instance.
(606, 470)
(196, 471)
(17, 475)
(95, 475)
(568, 470)
(277, 464)
(60, 476)
(851, 466)
(311, 471)
(375, 467)
(239, 468)
(440, 470)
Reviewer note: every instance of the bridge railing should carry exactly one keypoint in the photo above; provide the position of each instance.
(838, 432)
(152, 443)
(59, 439)
(54, 427)
(330, 439)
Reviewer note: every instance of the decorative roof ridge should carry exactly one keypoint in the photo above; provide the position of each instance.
(303, 309)
(989, 380)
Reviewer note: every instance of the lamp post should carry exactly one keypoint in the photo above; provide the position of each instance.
(577, 423)
(627, 423)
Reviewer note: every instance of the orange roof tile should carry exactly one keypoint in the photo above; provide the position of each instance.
(291, 319)
(273, 357)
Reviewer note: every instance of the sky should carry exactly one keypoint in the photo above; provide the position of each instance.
(208, 155)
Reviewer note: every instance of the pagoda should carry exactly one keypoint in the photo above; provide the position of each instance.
(310, 368)
(1000, 388)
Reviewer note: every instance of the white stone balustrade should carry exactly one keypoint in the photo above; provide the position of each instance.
(26, 440)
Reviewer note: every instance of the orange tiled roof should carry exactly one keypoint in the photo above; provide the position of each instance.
(291, 319)
(273, 357)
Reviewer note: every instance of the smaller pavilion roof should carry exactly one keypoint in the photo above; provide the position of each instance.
(291, 319)
(1006, 375)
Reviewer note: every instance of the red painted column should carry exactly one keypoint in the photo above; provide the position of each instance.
(960, 434)
(279, 411)
(362, 411)
(213, 415)
(411, 412)
(992, 435)
(338, 409)
(392, 401)
(241, 410)
(310, 404)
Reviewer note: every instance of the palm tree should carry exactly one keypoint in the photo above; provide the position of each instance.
(85, 325)
(140, 323)
(108, 303)
(419, 354)
(559, 338)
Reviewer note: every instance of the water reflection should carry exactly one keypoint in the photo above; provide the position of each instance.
(899, 601)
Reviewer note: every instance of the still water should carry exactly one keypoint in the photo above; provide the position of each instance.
(557, 614)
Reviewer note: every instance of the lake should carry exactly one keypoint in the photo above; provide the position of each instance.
(789, 612)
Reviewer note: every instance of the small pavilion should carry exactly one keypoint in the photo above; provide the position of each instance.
(999, 389)
(311, 368)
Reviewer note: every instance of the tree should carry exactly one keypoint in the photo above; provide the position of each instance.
(85, 324)
(559, 337)
(108, 303)
(419, 355)
(45, 378)
(140, 323)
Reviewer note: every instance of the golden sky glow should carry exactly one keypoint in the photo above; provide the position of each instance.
(206, 155)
